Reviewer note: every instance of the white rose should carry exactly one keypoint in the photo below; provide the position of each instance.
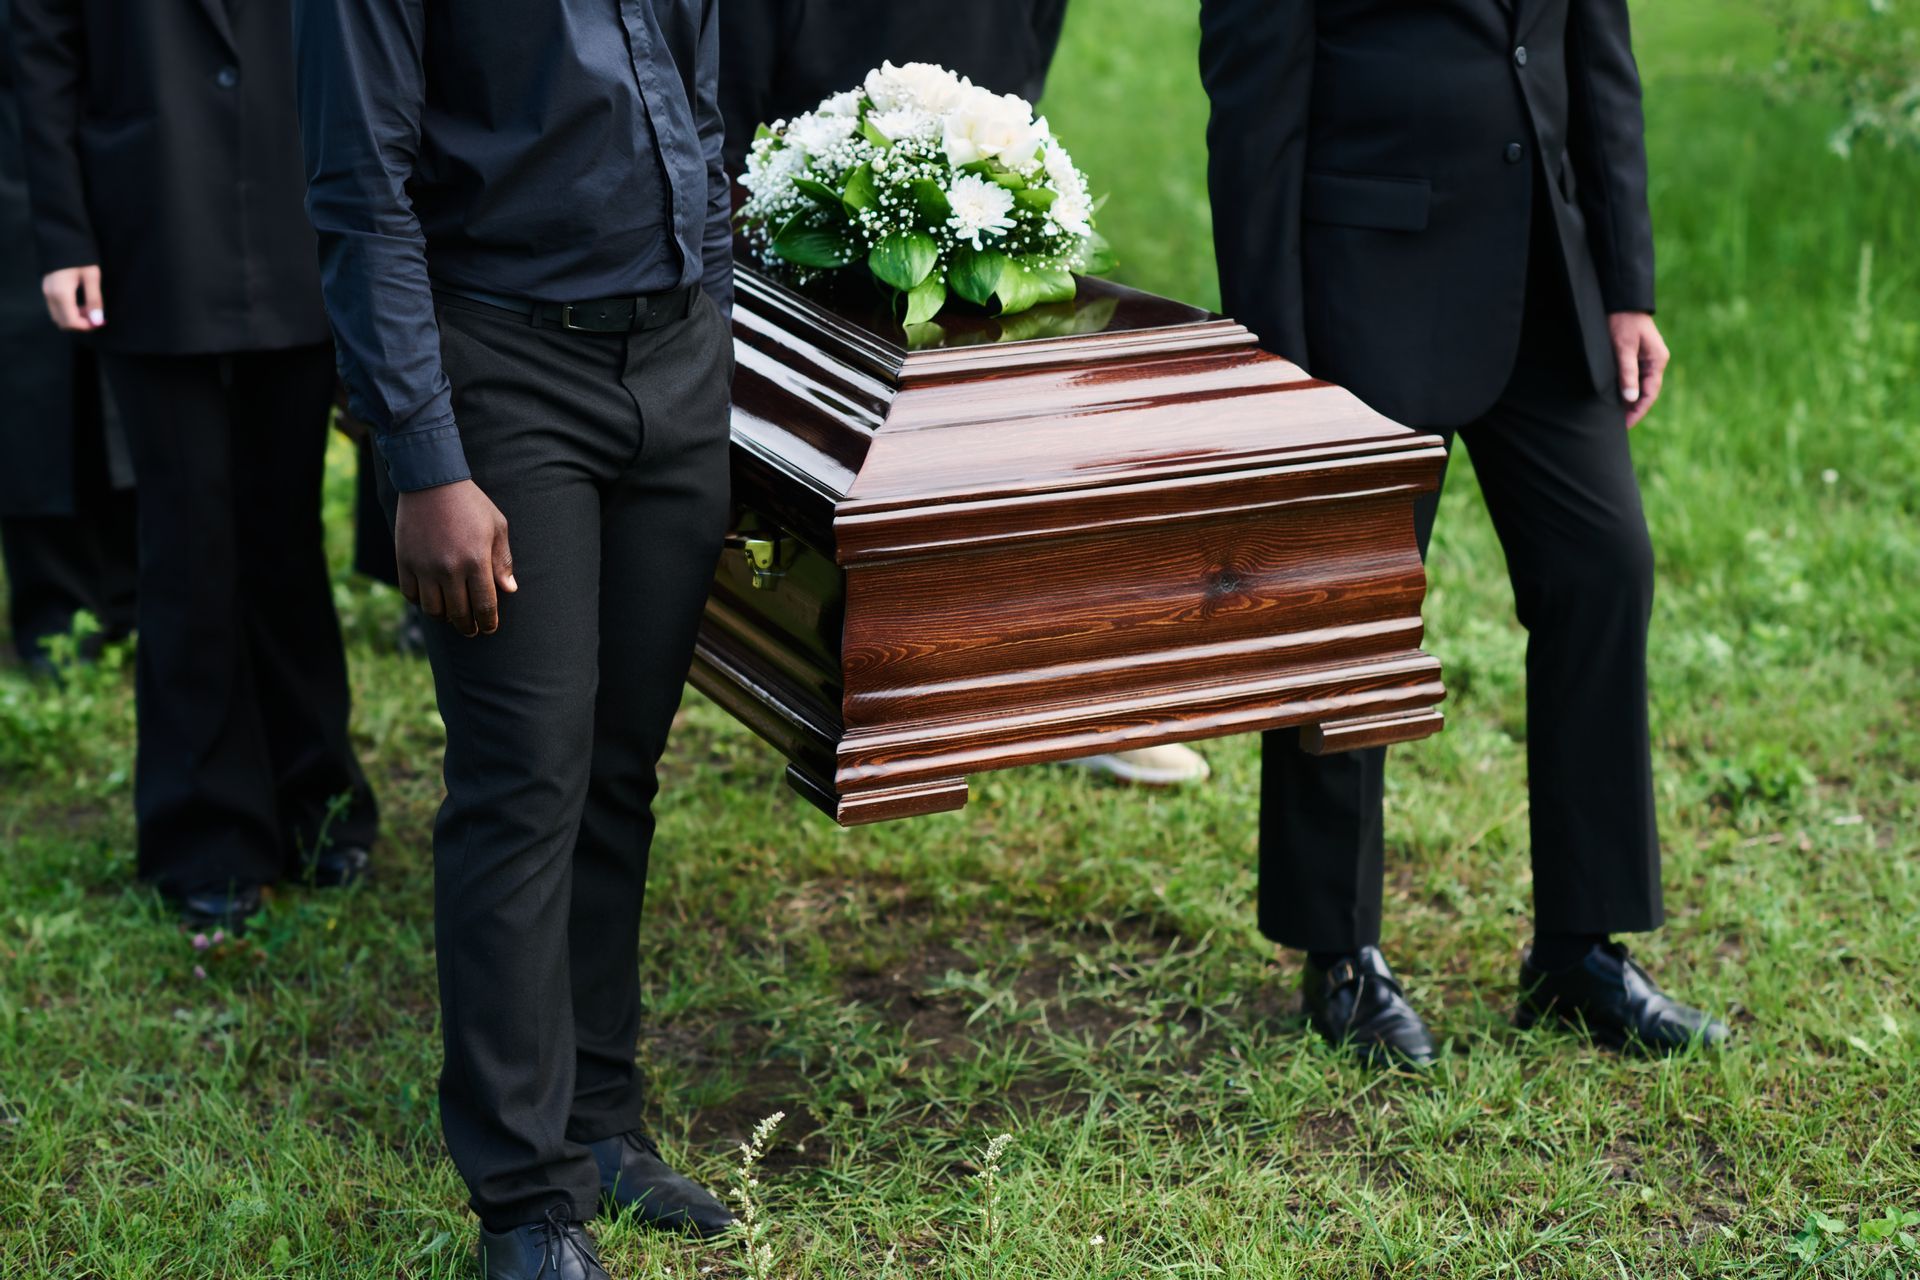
(989, 126)
(918, 84)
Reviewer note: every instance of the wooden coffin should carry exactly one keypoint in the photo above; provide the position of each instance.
(1100, 525)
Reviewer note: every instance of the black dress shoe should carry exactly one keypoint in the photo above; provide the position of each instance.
(226, 908)
(555, 1248)
(633, 1178)
(1357, 1003)
(338, 865)
(1615, 1001)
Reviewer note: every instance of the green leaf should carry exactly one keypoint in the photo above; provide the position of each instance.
(1040, 198)
(975, 273)
(872, 134)
(925, 300)
(820, 191)
(814, 243)
(932, 201)
(1097, 257)
(1027, 283)
(761, 131)
(860, 193)
(904, 259)
(1008, 179)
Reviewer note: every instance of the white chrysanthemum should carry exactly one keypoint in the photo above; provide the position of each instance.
(992, 126)
(918, 84)
(817, 134)
(1062, 175)
(840, 104)
(980, 208)
(1072, 212)
(907, 122)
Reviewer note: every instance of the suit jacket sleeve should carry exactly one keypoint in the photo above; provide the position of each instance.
(1607, 145)
(1256, 60)
(50, 61)
(360, 85)
(753, 34)
(717, 247)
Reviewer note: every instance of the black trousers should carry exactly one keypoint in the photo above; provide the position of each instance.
(241, 680)
(1553, 462)
(58, 565)
(608, 456)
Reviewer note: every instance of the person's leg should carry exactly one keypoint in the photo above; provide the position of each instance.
(203, 789)
(662, 527)
(1554, 463)
(545, 424)
(58, 565)
(280, 401)
(1322, 859)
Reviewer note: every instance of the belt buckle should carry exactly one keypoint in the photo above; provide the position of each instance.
(566, 320)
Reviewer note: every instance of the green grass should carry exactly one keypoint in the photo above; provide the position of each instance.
(1077, 965)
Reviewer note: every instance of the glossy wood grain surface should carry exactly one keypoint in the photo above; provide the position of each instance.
(1113, 525)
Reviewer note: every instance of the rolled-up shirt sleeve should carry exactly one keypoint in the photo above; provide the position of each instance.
(717, 244)
(360, 86)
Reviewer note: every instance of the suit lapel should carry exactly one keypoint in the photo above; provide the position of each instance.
(222, 20)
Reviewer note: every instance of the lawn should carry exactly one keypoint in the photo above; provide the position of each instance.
(1076, 965)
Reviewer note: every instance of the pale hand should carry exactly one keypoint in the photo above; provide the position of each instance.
(73, 298)
(451, 545)
(1642, 356)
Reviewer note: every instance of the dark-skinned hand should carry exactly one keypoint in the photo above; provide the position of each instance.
(451, 545)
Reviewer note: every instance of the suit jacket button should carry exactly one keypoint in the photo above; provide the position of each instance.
(1520, 56)
(1514, 152)
(227, 77)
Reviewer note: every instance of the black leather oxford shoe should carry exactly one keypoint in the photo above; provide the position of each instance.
(555, 1248)
(338, 865)
(226, 908)
(1615, 1001)
(1358, 1003)
(634, 1179)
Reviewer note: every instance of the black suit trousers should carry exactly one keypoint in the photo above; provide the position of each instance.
(607, 454)
(1553, 462)
(58, 565)
(241, 681)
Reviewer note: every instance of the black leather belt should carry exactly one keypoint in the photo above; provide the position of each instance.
(598, 315)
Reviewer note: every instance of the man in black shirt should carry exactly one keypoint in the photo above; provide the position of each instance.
(525, 247)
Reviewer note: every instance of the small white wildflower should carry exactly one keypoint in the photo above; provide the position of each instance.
(1829, 476)
(980, 208)
(1097, 1241)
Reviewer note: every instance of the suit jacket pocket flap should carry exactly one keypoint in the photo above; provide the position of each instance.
(1350, 200)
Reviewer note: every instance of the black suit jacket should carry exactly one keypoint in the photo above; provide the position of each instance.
(1373, 165)
(779, 58)
(161, 143)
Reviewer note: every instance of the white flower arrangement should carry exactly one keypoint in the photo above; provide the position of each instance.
(940, 187)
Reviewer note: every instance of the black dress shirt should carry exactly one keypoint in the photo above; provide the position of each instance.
(559, 152)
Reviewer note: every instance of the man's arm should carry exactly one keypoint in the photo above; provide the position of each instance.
(1607, 145)
(1256, 60)
(717, 248)
(49, 45)
(360, 84)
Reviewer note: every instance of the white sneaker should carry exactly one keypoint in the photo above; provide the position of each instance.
(1170, 766)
